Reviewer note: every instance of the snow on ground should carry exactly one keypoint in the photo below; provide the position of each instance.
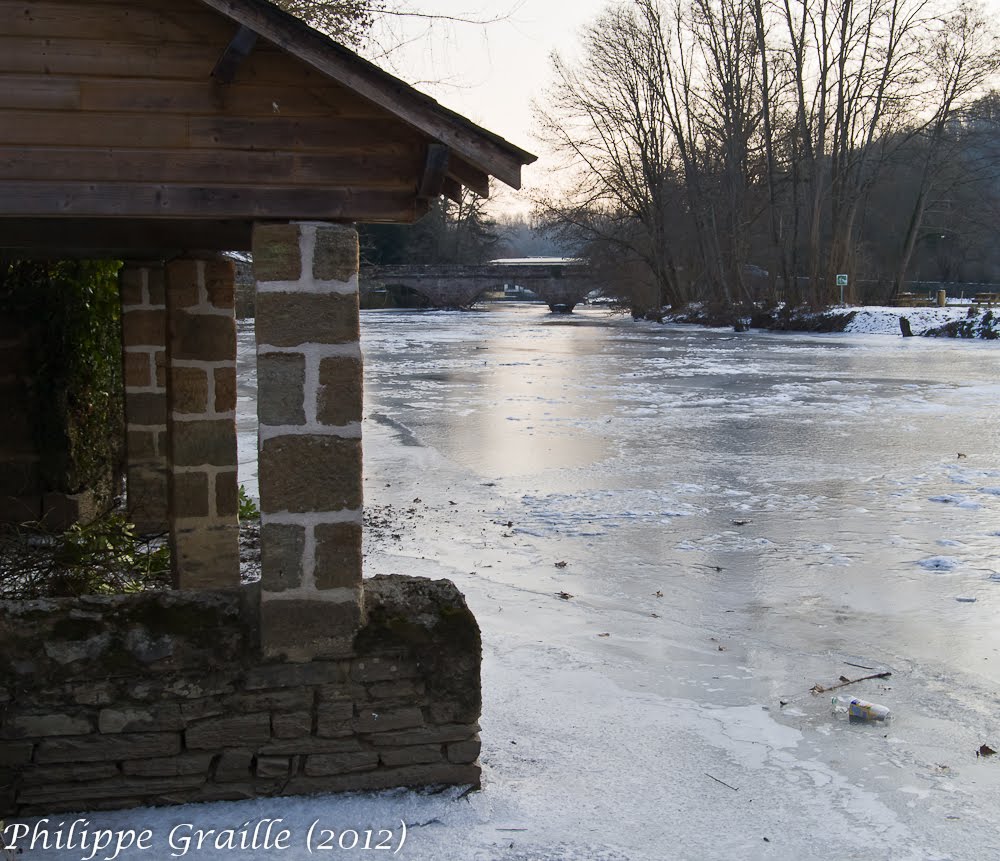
(980, 321)
(884, 320)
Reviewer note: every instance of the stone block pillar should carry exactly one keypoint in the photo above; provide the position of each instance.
(309, 392)
(201, 423)
(144, 344)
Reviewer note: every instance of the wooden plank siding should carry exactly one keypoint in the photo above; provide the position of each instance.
(476, 145)
(384, 171)
(174, 22)
(38, 92)
(107, 109)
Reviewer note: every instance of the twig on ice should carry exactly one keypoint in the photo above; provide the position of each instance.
(820, 689)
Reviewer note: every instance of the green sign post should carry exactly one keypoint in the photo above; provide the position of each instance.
(842, 283)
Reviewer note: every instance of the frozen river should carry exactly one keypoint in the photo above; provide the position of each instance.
(736, 518)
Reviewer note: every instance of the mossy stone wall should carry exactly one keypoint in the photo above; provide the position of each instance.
(163, 698)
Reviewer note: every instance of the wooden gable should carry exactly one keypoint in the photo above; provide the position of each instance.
(116, 134)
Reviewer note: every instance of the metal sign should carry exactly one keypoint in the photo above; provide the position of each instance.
(841, 280)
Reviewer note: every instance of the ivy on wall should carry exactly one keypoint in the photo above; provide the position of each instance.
(70, 312)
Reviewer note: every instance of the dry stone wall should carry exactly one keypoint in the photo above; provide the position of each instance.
(161, 698)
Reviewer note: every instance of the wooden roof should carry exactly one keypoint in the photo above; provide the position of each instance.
(135, 126)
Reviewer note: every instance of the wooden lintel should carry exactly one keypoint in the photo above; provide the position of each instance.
(48, 238)
(469, 176)
(236, 52)
(452, 189)
(142, 238)
(435, 168)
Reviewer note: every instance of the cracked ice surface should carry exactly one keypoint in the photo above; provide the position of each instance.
(777, 492)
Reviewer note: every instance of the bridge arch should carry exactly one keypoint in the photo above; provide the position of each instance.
(561, 285)
(434, 292)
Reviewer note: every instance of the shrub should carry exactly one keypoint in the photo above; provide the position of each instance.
(102, 557)
(71, 311)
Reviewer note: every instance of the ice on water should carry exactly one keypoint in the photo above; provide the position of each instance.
(743, 517)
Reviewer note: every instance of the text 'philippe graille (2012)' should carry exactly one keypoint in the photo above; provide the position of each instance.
(186, 840)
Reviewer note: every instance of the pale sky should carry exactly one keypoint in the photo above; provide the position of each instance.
(490, 73)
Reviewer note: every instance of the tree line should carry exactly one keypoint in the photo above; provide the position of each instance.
(740, 151)
(734, 151)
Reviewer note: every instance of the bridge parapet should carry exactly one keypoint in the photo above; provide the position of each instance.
(560, 285)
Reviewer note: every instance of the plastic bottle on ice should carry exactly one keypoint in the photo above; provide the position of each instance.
(860, 711)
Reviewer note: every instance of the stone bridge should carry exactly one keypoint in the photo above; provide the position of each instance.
(561, 283)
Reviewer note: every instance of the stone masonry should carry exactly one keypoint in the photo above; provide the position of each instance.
(144, 344)
(201, 423)
(311, 681)
(157, 698)
(309, 394)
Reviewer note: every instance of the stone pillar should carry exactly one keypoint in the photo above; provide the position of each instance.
(309, 390)
(201, 424)
(144, 344)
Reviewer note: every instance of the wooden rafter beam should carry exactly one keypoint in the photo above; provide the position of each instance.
(236, 52)
(435, 169)
(452, 189)
(469, 176)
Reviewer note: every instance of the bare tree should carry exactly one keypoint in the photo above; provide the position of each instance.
(375, 26)
(708, 131)
(347, 21)
(855, 67)
(963, 56)
(727, 108)
(664, 116)
(610, 120)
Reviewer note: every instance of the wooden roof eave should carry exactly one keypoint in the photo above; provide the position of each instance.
(483, 152)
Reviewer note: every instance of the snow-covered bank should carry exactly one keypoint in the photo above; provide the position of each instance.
(951, 321)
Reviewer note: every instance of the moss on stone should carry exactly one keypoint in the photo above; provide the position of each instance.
(430, 621)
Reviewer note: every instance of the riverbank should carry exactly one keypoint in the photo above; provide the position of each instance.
(951, 321)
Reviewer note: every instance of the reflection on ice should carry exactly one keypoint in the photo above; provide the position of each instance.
(639, 445)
